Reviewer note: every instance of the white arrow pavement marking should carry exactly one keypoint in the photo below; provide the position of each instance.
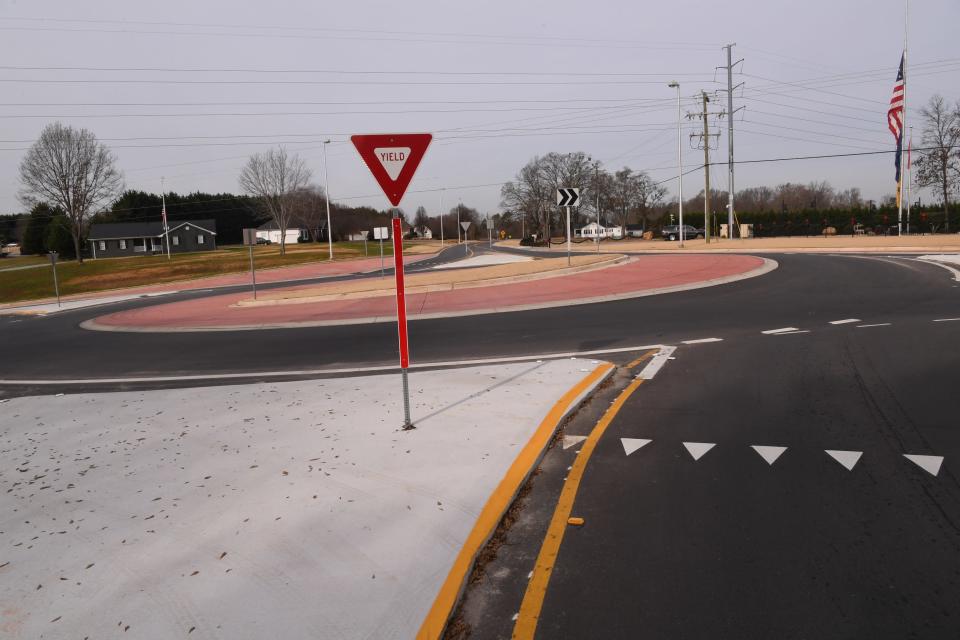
(632, 444)
(847, 458)
(570, 441)
(775, 331)
(656, 363)
(697, 449)
(847, 321)
(770, 454)
(930, 464)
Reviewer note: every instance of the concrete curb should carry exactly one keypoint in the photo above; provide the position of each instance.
(105, 293)
(503, 497)
(768, 266)
(614, 259)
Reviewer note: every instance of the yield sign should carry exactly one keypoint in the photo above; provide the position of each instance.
(393, 158)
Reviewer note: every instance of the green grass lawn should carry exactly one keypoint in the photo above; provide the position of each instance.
(22, 261)
(116, 273)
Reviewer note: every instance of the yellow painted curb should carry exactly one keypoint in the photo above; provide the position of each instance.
(526, 624)
(498, 503)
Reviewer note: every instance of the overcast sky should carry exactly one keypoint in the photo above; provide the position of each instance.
(173, 87)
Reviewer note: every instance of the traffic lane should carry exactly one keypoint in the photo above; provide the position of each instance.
(805, 291)
(731, 546)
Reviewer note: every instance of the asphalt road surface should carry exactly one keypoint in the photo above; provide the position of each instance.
(696, 534)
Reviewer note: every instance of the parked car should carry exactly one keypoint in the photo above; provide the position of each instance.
(263, 241)
(672, 232)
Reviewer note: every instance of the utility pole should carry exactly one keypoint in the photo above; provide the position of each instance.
(730, 111)
(705, 140)
(706, 171)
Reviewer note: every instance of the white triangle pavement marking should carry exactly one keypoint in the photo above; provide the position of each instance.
(570, 441)
(847, 458)
(392, 159)
(632, 444)
(697, 449)
(781, 330)
(847, 321)
(930, 464)
(770, 454)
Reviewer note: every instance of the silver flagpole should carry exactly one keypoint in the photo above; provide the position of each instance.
(903, 119)
(906, 32)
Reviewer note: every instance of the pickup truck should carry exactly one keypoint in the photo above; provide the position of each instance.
(672, 232)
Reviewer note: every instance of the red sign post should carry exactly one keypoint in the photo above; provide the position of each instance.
(393, 159)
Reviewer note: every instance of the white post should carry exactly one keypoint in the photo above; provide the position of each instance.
(326, 190)
(458, 223)
(679, 158)
(441, 217)
(568, 235)
(166, 226)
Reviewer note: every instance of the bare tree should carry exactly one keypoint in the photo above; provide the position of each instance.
(275, 178)
(939, 163)
(71, 170)
(309, 209)
(421, 221)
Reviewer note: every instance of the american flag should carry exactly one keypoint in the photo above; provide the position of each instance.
(895, 117)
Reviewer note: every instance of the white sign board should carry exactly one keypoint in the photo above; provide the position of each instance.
(381, 233)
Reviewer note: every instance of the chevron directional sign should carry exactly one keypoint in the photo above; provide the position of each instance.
(568, 197)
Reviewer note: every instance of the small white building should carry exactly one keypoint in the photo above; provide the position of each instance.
(270, 232)
(593, 230)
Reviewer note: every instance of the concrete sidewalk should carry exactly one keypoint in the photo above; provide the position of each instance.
(288, 510)
(643, 275)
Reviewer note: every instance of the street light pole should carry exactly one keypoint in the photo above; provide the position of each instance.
(326, 192)
(676, 85)
(56, 285)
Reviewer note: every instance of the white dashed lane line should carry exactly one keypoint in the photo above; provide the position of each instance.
(702, 341)
(879, 324)
(847, 321)
(771, 332)
(947, 320)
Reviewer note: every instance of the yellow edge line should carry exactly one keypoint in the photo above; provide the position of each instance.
(436, 620)
(526, 624)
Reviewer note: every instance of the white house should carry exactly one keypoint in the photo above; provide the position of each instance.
(591, 231)
(270, 232)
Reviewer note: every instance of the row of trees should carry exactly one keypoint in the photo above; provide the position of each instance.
(617, 197)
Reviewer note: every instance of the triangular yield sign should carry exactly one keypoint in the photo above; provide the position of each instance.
(697, 449)
(930, 464)
(770, 454)
(570, 441)
(847, 458)
(632, 444)
(393, 158)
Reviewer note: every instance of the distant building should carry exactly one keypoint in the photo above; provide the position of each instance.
(270, 232)
(592, 230)
(119, 239)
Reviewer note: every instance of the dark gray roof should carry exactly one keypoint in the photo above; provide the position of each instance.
(153, 229)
